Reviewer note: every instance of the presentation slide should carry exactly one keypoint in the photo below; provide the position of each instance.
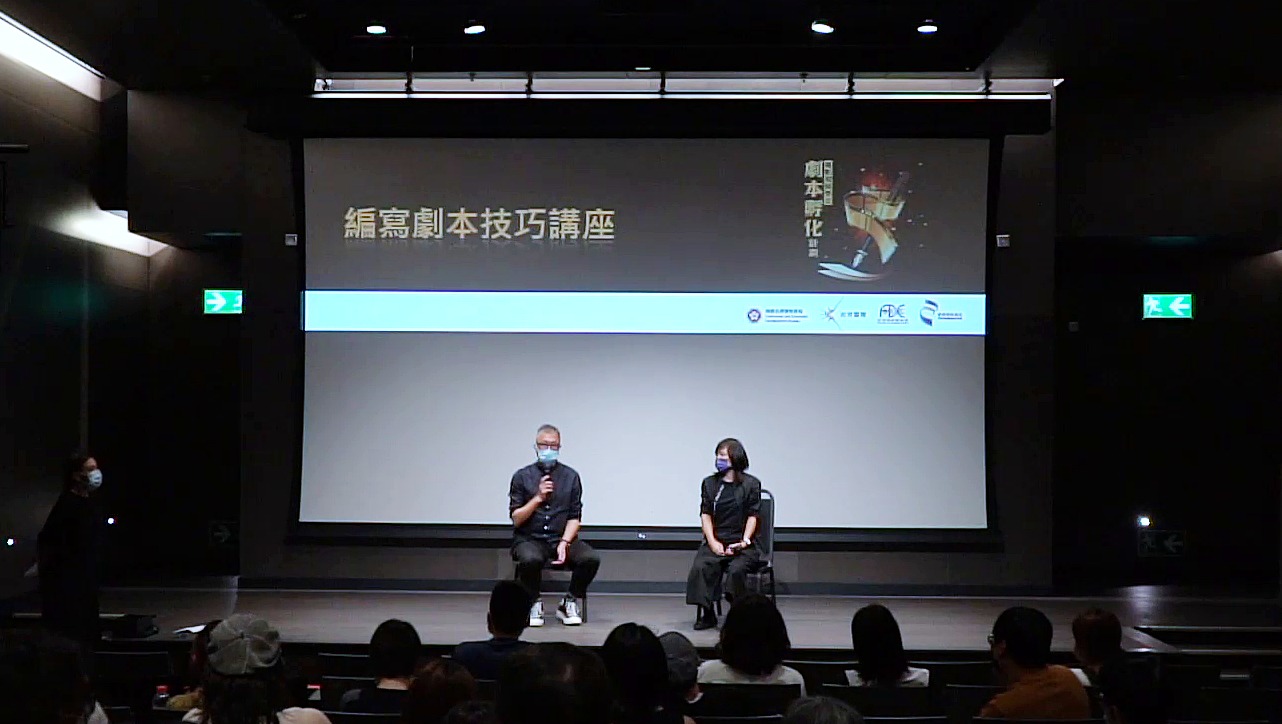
(822, 300)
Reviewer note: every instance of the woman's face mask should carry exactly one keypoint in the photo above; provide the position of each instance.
(94, 479)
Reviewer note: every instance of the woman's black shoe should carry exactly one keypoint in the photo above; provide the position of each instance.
(705, 620)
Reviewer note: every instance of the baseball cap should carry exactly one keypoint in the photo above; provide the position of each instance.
(683, 659)
(242, 644)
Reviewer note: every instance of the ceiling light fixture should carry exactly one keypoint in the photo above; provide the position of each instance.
(928, 27)
(643, 68)
(376, 29)
(474, 28)
(821, 26)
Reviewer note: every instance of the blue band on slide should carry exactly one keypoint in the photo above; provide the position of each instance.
(644, 313)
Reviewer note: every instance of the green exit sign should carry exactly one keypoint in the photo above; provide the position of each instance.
(1168, 306)
(224, 301)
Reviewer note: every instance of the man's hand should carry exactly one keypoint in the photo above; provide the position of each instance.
(717, 548)
(562, 552)
(546, 486)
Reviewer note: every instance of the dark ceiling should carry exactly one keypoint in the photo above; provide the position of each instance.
(614, 35)
(273, 46)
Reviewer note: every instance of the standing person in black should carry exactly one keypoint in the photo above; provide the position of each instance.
(69, 548)
(731, 501)
(545, 503)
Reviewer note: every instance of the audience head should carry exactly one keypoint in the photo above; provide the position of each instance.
(509, 609)
(473, 712)
(1131, 696)
(198, 660)
(438, 687)
(245, 677)
(554, 682)
(754, 639)
(821, 710)
(638, 670)
(683, 667)
(878, 645)
(394, 650)
(42, 679)
(1097, 637)
(1021, 638)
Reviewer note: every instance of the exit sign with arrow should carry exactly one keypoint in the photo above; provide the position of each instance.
(1168, 306)
(224, 301)
(1161, 543)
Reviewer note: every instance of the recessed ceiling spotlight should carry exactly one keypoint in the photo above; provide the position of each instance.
(474, 28)
(927, 27)
(821, 26)
(376, 29)
(643, 68)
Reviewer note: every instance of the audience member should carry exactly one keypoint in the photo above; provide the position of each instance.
(683, 669)
(821, 710)
(437, 688)
(1021, 647)
(754, 643)
(43, 680)
(473, 712)
(638, 670)
(554, 683)
(197, 661)
(1097, 642)
(509, 615)
(394, 650)
(245, 678)
(879, 649)
(1131, 696)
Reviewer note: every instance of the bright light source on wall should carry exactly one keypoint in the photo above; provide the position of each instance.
(111, 521)
(20, 43)
(376, 29)
(109, 229)
(474, 28)
(1143, 521)
(928, 27)
(9, 542)
(821, 26)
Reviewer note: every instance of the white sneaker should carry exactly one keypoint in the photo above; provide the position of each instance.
(568, 612)
(536, 614)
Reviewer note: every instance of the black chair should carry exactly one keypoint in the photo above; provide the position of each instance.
(767, 719)
(1177, 677)
(982, 720)
(1266, 677)
(818, 673)
(765, 541)
(333, 688)
(744, 699)
(487, 689)
(963, 702)
(118, 714)
(346, 717)
(1227, 704)
(343, 664)
(906, 720)
(966, 673)
(880, 701)
(167, 716)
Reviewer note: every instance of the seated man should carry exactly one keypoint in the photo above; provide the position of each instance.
(1021, 646)
(394, 651)
(509, 609)
(545, 502)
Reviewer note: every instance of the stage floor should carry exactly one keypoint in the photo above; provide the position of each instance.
(928, 623)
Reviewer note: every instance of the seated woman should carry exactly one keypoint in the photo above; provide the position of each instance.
(879, 649)
(245, 678)
(731, 500)
(638, 669)
(754, 643)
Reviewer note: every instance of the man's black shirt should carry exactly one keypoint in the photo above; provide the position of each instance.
(730, 505)
(547, 522)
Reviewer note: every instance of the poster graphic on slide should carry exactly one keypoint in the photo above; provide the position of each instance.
(869, 215)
